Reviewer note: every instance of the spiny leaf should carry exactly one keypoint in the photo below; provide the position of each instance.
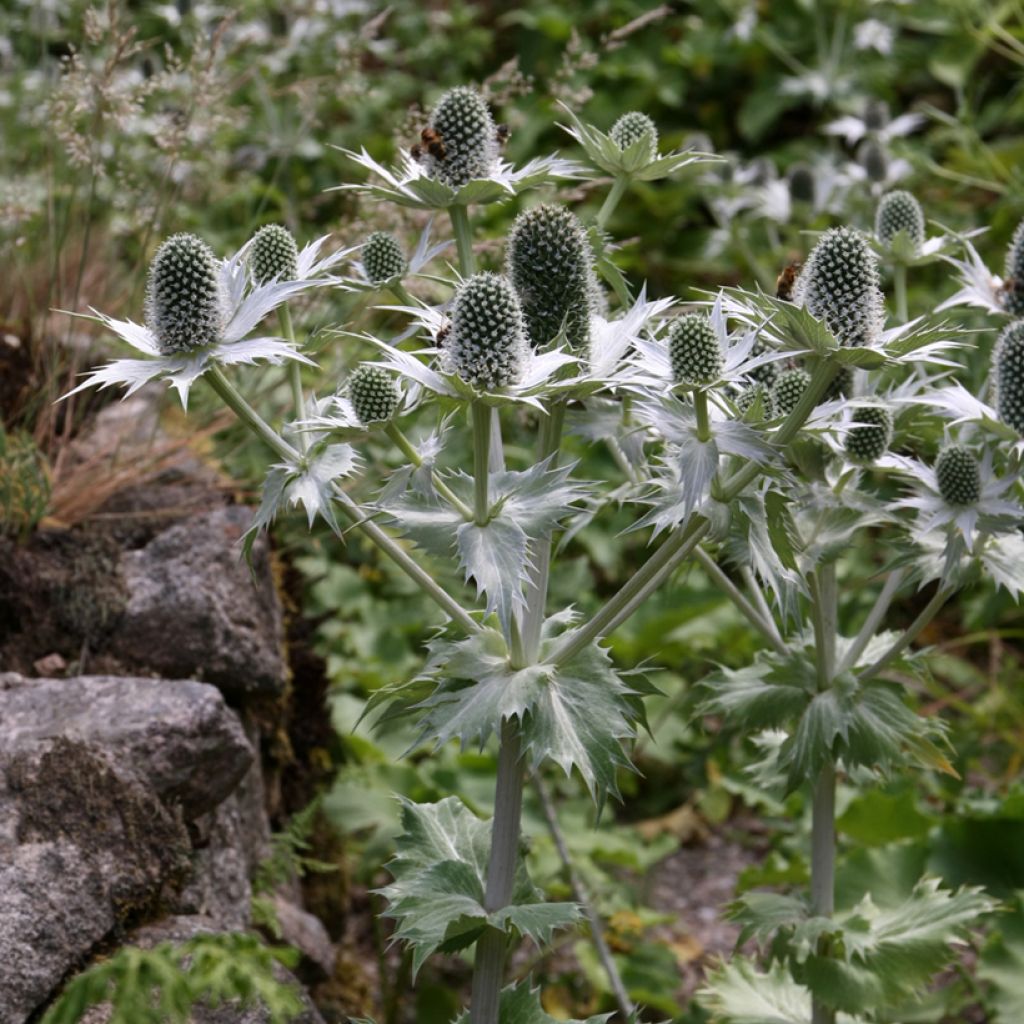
(520, 1004)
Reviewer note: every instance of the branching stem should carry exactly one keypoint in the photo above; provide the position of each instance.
(406, 447)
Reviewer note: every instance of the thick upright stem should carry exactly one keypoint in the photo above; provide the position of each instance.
(463, 239)
(481, 462)
(489, 965)
(899, 280)
(700, 408)
(617, 191)
(294, 374)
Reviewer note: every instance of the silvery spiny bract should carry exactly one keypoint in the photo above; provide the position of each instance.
(184, 305)
(373, 394)
(870, 433)
(460, 143)
(632, 127)
(787, 390)
(694, 350)
(550, 262)
(486, 345)
(1013, 285)
(899, 211)
(273, 254)
(383, 257)
(1008, 373)
(958, 475)
(839, 284)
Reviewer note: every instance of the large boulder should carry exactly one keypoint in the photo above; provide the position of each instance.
(194, 609)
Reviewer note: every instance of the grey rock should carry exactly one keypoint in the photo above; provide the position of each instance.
(194, 610)
(83, 844)
(306, 933)
(178, 735)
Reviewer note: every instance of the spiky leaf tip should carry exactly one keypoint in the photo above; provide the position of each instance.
(693, 350)
(383, 257)
(1008, 374)
(184, 303)
(631, 128)
(839, 284)
(373, 394)
(958, 475)
(273, 254)
(463, 143)
(1013, 286)
(551, 264)
(788, 389)
(870, 434)
(486, 345)
(899, 211)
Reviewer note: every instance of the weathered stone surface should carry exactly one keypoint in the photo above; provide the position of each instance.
(181, 929)
(194, 610)
(178, 735)
(306, 933)
(84, 844)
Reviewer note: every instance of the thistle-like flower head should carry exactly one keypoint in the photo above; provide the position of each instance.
(839, 284)
(870, 433)
(897, 212)
(1008, 375)
(958, 475)
(693, 349)
(874, 159)
(788, 389)
(551, 264)
(373, 394)
(273, 254)
(185, 308)
(383, 258)
(460, 142)
(755, 394)
(631, 128)
(1013, 285)
(486, 345)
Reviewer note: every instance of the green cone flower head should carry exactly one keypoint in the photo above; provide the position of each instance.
(373, 394)
(876, 115)
(1008, 372)
(460, 142)
(839, 284)
(801, 183)
(631, 128)
(273, 254)
(1013, 287)
(746, 399)
(870, 433)
(788, 389)
(874, 159)
(184, 304)
(693, 350)
(383, 258)
(899, 211)
(551, 264)
(958, 475)
(841, 385)
(486, 345)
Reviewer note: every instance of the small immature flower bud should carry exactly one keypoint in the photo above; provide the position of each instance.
(870, 434)
(273, 254)
(876, 115)
(874, 160)
(788, 389)
(383, 258)
(841, 385)
(839, 284)
(460, 142)
(373, 394)
(1013, 286)
(899, 211)
(801, 183)
(633, 127)
(958, 475)
(184, 304)
(486, 345)
(1008, 372)
(693, 350)
(755, 392)
(551, 264)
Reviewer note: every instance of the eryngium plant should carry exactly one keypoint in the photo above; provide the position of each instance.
(383, 257)
(1013, 277)
(898, 212)
(636, 128)
(273, 254)
(1008, 371)
(766, 492)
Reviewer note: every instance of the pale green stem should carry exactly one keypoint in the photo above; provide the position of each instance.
(700, 408)
(409, 451)
(294, 374)
(755, 590)
(766, 627)
(930, 610)
(252, 419)
(899, 280)
(402, 294)
(617, 191)
(481, 462)
(463, 239)
(491, 948)
(873, 621)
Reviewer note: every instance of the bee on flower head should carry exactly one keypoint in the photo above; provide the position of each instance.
(786, 280)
